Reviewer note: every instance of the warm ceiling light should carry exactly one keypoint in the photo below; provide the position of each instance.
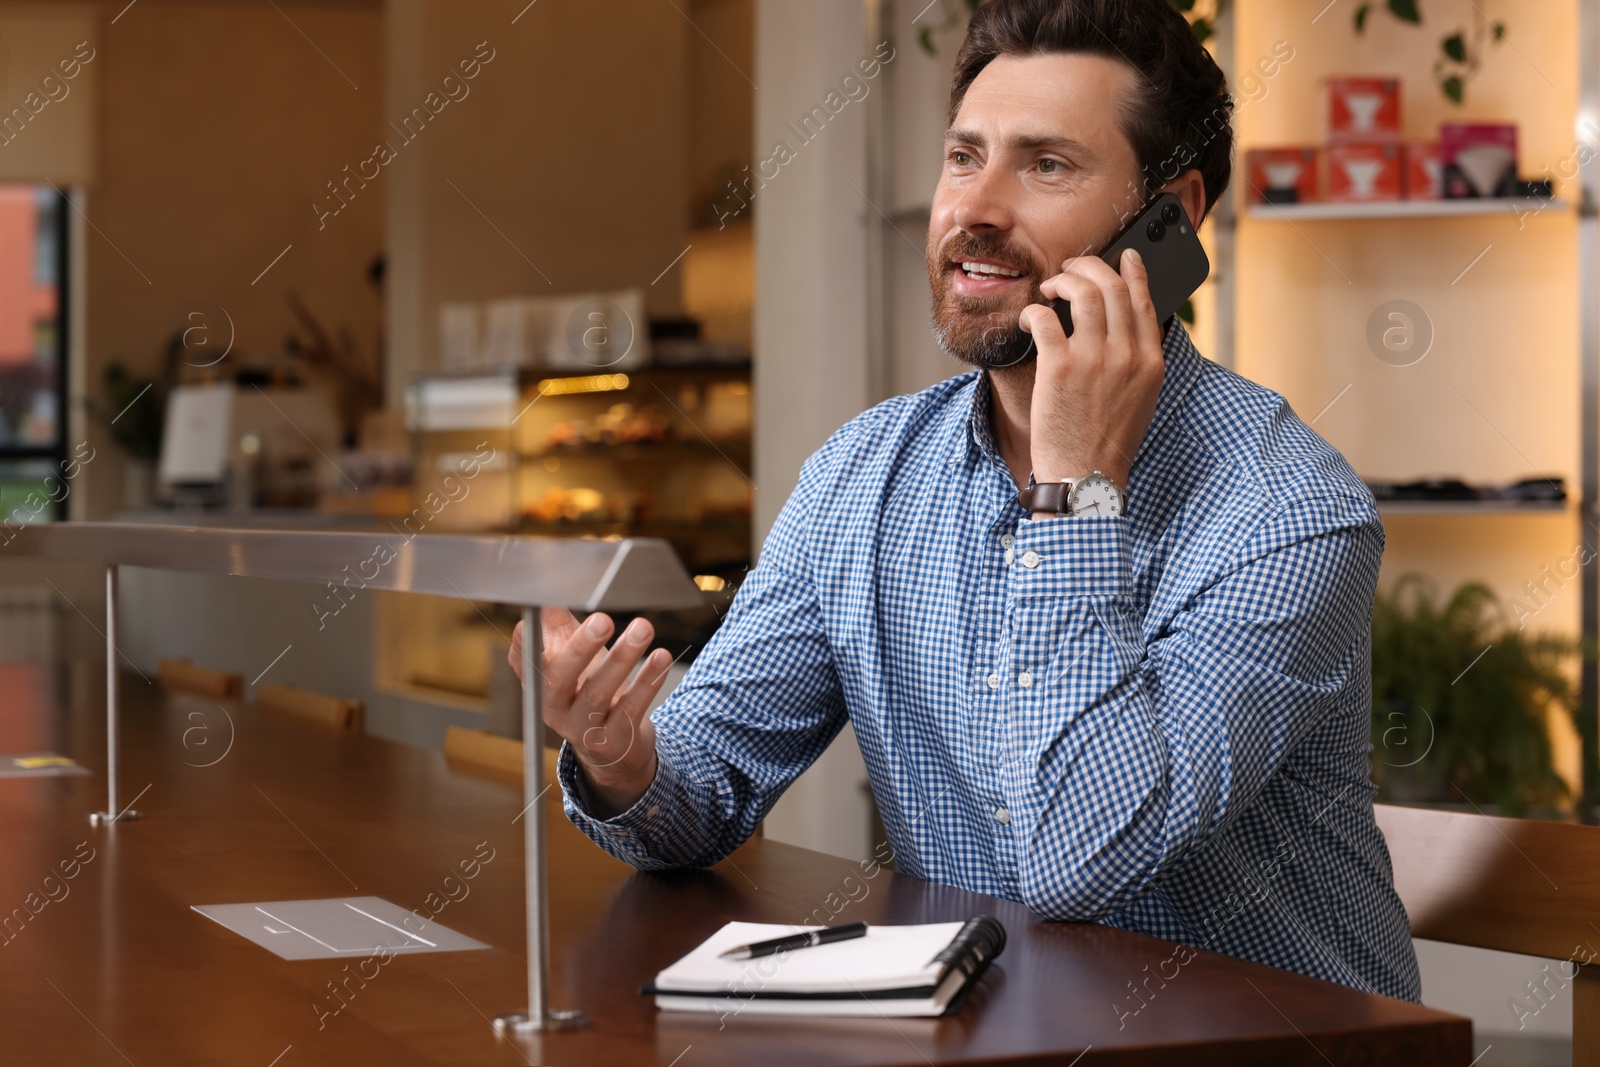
(588, 383)
(710, 583)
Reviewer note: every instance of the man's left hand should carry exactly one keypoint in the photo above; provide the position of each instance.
(1094, 393)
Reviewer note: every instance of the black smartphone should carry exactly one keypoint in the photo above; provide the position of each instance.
(1173, 257)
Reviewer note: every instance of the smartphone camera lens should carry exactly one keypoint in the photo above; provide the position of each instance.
(1170, 213)
(1156, 230)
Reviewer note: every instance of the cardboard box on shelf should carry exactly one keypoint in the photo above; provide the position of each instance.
(511, 336)
(595, 331)
(1363, 172)
(460, 336)
(1477, 159)
(1421, 171)
(1363, 109)
(1286, 175)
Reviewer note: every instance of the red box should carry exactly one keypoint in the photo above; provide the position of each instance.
(1363, 109)
(1422, 171)
(1281, 175)
(1364, 172)
(1477, 158)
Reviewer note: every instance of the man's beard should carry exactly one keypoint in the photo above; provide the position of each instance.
(982, 331)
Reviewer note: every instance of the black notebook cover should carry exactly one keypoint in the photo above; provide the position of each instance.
(980, 939)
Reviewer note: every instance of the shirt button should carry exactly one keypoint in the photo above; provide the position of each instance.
(1010, 557)
(1030, 559)
(1002, 816)
(994, 681)
(1025, 679)
(655, 809)
(1006, 540)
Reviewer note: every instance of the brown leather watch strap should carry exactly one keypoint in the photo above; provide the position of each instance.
(1046, 496)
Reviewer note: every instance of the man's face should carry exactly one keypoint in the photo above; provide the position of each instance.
(1036, 171)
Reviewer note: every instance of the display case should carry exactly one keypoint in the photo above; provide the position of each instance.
(652, 452)
(661, 452)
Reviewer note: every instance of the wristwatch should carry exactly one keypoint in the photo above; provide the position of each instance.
(1093, 494)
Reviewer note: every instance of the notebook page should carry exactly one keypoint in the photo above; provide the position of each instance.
(888, 957)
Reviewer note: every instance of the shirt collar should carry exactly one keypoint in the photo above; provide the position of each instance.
(979, 436)
(1183, 364)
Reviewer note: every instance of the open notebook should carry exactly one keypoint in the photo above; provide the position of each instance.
(893, 970)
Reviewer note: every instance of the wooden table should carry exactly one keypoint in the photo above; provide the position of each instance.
(118, 969)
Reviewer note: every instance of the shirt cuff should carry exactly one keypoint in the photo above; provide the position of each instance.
(625, 834)
(1071, 556)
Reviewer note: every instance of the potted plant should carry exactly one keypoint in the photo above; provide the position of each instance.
(134, 412)
(1462, 701)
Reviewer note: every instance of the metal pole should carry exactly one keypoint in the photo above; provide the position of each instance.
(1224, 230)
(111, 815)
(880, 377)
(1589, 390)
(538, 1016)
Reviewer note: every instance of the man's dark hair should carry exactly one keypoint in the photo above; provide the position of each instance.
(1181, 113)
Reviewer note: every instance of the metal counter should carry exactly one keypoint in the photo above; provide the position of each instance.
(636, 574)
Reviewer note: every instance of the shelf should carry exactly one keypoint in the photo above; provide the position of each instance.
(634, 528)
(739, 370)
(1514, 207)
(634, 452)
(663, 370)
(653, 371)
(1473, 507)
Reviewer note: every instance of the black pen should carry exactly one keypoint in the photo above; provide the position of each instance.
(827, 934)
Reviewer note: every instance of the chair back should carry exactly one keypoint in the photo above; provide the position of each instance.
(478, 751)
(181, 676)
(1515, 885)
(329, 711)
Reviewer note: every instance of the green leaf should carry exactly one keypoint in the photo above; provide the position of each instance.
(1455, 47)
(1487, 712)
(1361, 16)
(1499, 31)
(925, 38)
(1182, 5)
(1202, 29)
(1186, 311)
(1453, 88)
(973, 5)
(1405, 11)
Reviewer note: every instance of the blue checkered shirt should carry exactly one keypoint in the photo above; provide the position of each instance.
(1159, 722)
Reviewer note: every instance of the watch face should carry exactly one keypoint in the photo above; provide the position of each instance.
(1095, 495)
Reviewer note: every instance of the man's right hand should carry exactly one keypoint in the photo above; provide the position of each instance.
(589, 701)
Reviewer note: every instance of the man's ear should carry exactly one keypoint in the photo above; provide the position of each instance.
(1190, 188)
